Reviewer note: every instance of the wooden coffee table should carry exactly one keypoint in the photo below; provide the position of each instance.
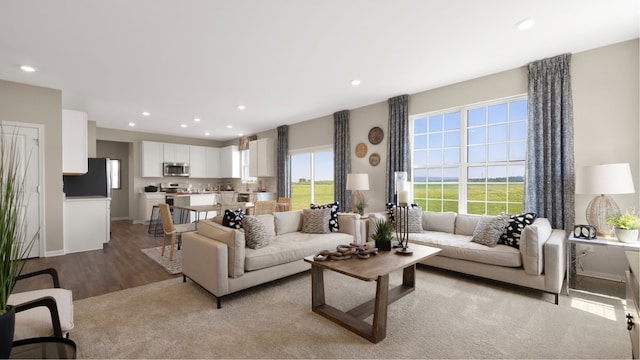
(376, 268)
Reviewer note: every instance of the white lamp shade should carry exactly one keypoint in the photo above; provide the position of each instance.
(604, 179)
(357, 181)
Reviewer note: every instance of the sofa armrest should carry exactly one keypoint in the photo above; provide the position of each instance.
(349, 223)
(204, 260)
(555, 261)
(532, 241)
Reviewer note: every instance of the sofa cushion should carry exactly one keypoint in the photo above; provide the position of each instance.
(292, 247)
(255, 233)
(316, 221)
(390, 210)
(414, 219)
(287, 221)
(233, 219)
(466, 224)
(532, 242)
(461, 247)
(439, 221)
(333, 221)
(234, 239)
(513, 230)
(268, 221)
(489, 230)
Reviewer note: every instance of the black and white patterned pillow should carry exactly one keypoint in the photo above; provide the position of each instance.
(513, 229)
(233, 219)
(335, 207)
(391, 212)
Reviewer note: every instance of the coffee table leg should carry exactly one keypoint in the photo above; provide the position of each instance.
(317, 286)
(379, 326)
(409, 276)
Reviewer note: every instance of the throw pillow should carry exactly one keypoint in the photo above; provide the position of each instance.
(255, 233)
(233, 219)
(316, 221)
(513, 231)
(489, 230)
(414, 219)
(335, 207)
(390, 210)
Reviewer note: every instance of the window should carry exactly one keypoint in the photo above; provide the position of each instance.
(311, 178)
(244, 173)
(115, 173)
(471, 159)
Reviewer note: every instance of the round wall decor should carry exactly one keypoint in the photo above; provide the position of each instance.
(361, 150)
(374, 159)
(376, 135)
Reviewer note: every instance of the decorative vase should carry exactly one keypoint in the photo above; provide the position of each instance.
(383, 245)
(627, 236)
(7, 325)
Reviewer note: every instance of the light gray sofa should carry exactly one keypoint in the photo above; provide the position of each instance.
(539, 263)
(216, 256)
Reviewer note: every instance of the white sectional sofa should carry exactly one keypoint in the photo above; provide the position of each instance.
(539, 263)
(216, 256)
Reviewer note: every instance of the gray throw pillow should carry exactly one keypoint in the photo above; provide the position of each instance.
(316, 221)
(414, 218)
(255, 233)
(489, 230)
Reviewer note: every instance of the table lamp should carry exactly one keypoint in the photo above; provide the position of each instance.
(355, 183)
(603, 180)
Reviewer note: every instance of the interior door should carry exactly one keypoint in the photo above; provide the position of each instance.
(27, 146)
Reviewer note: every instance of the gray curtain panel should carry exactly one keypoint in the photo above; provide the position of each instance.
(398, 141)
(341, 159)
(550, 175)
(283, 183)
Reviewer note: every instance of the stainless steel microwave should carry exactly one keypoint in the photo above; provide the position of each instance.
(175, 169)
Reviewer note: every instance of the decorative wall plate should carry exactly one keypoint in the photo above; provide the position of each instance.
(374, 159)
(376, 135)
(361, 150)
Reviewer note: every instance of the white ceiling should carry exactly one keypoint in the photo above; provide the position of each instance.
(286, 60)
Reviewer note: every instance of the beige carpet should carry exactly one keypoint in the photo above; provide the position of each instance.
(173, 266)
(448, 316)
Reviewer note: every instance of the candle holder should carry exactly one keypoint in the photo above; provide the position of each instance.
(402, 230)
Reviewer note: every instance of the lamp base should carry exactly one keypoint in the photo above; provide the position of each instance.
(356, 198)
(404, 251)
(598, 210)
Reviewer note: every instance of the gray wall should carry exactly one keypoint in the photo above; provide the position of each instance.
(119, 197)
(38, 105)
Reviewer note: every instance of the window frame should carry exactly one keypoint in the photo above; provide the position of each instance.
(116, 183)
(311, 151)
(463, 165)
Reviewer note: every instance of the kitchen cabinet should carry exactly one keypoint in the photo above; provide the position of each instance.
(152, 154)
(147, 201)
(87, 223)
(176, 153)
(196, 200)
(204, 162)
(75, 146)
(262, 153)
(230, 162)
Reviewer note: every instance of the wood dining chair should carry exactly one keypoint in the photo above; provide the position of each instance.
(284, 204)
(172, 231)
(264, 207)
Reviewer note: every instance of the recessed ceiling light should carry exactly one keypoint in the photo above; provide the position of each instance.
(196, 119)
(229, 126)
(241, 107)
(145, 113)
(240, 134)
(525, 24)
(27, 68)
(355, 82)
(183, 125)
(207, 134)
(132, 124)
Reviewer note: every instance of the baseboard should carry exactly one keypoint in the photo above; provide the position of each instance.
(120, 218)
(54, 253)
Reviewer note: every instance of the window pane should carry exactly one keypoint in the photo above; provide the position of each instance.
(450, 192)
(419, 191)
(420, 142)
(515, 193)
(496, 173)
(497, 113)
(450, 206)
(497, 152)
(515, 173)
(514, 208)
(477, 117)
(496, 208)
(435, 141)
(434, 205)
(420, 126)
(475, 207)
(434, 191)
(517, 130)
(300, 181)
(476, 154)
(497, 133)
(450, 174)
(435, 157)
(476, 136)
(434, 175)
(517, 150)
(323, 177)
(476, 191)
(497, 192)
(518, 110)
(115, 173)
(420, 157)
(452, 138)
(435, 123)
(452, 156)
(476, 173)
(452, 121)
(419, 175)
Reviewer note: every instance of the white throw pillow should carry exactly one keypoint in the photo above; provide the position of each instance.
(287, 221)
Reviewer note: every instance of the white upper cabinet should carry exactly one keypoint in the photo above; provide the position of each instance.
(152, 158)
(75, 146)
(230, 162)
(176, 153)
(262, 154)
(212, 156)
(204, 162)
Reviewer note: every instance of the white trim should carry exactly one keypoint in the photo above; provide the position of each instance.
(54, 253)
(311, 149)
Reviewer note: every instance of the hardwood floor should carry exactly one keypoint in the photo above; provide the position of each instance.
(119, 265)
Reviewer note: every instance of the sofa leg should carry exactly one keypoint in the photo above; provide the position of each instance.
(219, 302)
(556, 299)
(184, 278)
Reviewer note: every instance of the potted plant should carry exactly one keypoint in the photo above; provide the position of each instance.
(360, 205)
(383, 234)
(626, 226)
(13, 246)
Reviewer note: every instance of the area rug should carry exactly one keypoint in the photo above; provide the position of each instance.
(447, 316)
(172, 266)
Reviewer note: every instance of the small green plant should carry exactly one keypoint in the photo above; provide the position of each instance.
(360, 205)
(626, 221)
(383, 231)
